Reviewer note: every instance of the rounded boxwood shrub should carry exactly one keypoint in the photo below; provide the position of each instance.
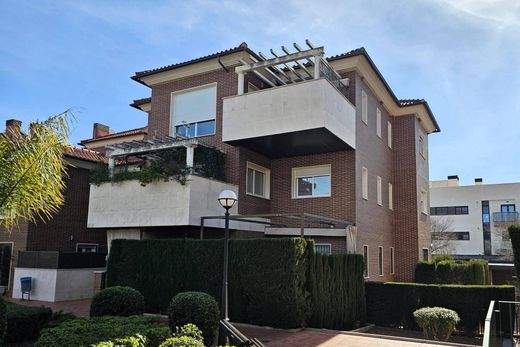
(117, 301)
(437, 322)
(197, 308)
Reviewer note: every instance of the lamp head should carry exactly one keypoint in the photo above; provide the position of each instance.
(227, 199)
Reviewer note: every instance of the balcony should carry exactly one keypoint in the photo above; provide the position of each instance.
(505, 217)
(128, 204)
(305, 112)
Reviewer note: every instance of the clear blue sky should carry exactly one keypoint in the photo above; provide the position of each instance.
(462, 56)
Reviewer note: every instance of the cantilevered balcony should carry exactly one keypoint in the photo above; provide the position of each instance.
(303, 111)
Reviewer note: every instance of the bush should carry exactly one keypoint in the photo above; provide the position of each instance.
(3, 321)
(25, 323)
(117, 301)
(441, 257)
(437, 322)
(197, 308)
(514, 234)
(86, 332)
(196, 265)
(337, 291)
(392, 304)
(132, 341)
(182, 341)
(424, 272)
(474, 271)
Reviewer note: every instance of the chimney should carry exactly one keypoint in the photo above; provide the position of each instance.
(101, 130)
(453, 181)
(478, 181)
(13, 127)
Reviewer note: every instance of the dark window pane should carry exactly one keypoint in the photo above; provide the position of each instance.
(250, 180)
(305, 186)
(206, 128)
(259, 183)
(323, 249)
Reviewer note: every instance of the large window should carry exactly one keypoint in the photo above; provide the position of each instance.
(364, 108)
(507, 208)
(311, 182)
(424, 201)
(366, 272)
(389, 131)
(323, 248)
(364, 183)
(257, 180)
(193, 111)
(380, 264)
(448, 210)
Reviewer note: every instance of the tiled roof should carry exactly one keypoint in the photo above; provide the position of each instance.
(354, 52)
(137, 131)
(410, 102)
(239, 48)
(139, 102)
(83, 154)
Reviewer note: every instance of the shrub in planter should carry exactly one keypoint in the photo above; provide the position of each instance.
(117, 301)
(25, 323)
(437, 322)
(197, 308)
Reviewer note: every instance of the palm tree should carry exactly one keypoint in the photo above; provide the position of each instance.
(32, 170)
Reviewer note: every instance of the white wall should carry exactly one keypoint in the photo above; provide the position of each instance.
(472, 196)
(56, 284)
(302, 106)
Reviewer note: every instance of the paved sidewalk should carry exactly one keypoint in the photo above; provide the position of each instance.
(80, 308)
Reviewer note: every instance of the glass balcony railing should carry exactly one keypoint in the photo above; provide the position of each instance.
(505, 217)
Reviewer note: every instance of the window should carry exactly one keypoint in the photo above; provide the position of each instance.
(364, 183)
(378, 122)
(425, 254)
(389, 131)
(86, 247)
(507, 208)
(323, 248)
(364, 108)
(380, 260)
(449, 210)
(193, 111)
(390, 196)
(392, 260)
(365, 261)
(422, 147)
(451, 235)
(257, 180)
(424, 202)
(311, 182)
(379, 191)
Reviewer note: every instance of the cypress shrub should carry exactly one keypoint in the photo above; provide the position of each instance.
(392, 304)
(337, 291)
(470, 272)
(514, 234)
(425, 272)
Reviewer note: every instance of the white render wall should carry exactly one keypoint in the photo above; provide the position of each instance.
(442, 194)
(56, 284)
(306, 105)
(127, 204)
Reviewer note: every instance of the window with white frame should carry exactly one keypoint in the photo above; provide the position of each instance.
(392, 260)
(323, 248)
(378, 122)
(380, 263)
(364, 183)
(379, 191)
(422, 147)
(390, 196)
(424, 202)
(87, 247)
(389, 131)
(258, 180)
(311, 181)
(193, 111)
(366, 269)
(425, 254)
(364, 107)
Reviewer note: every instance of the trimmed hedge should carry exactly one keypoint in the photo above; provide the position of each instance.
(514, 234)
(438, 323)
(267, 276)
(337, 291)
(25, 323)
(3, 321)
(471, 272)
(392, 304)
(86, 332)
(117, 301)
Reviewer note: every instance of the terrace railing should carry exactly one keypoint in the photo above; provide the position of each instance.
(502, 324)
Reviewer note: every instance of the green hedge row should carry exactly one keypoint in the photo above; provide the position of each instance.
(471, 272)
(25, 323)
(392, 304)
(337, 291)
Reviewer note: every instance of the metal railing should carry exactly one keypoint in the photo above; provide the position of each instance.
(505, 217)
(333, 77)
(235, 337)
(502, 324)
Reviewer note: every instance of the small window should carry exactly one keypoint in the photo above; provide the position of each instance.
(380, 263)
(323, 248)
(392, 260)
(390, 196)
(507, 208)
(389, 131)
(422, 147)
(378, 122)
(424, 202)
(364, 183)
(364, 107)
(379, 191)
(87, 247)
(425, 254)
(311, 182)
(365, 261)
(257, 180)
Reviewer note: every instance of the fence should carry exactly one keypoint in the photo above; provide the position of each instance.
(502, 325)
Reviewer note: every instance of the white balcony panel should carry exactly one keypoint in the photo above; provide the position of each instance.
(313, 104)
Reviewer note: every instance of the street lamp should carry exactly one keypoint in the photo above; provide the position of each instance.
(227, 199)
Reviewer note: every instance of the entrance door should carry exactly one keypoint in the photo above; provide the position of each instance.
(6, 250)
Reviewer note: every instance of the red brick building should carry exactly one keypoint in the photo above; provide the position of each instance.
(301, 134)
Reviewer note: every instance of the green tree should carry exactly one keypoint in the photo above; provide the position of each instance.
(32, 170)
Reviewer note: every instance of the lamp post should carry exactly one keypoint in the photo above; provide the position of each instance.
(227, 199)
